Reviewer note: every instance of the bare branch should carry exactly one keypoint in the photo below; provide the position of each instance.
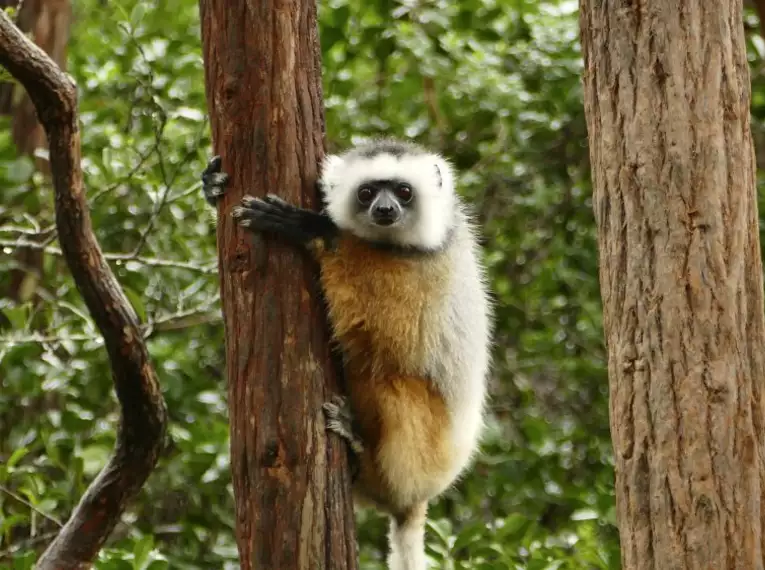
(208, 267)
(198, 315)
(168, 182)
(144, 416)
(38, 338)
(23, 545)
(26, 503)
(183, 319)
(142, 158)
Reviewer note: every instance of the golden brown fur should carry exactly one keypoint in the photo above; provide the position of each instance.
(374, 296)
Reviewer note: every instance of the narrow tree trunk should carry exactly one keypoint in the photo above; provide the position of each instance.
(667, 103)
(292, 490)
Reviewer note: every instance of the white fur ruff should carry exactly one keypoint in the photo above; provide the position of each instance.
(429, 174)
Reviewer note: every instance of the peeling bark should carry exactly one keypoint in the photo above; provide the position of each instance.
(667, 103)
(142, 427)
(291, 483)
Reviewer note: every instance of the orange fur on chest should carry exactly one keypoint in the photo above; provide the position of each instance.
(378, 300)
(378, 304)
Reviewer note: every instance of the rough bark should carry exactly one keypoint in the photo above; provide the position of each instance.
(667, 103)
(142, 427)
(291, 483)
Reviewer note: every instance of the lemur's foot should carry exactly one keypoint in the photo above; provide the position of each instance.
(339, 420)
(214, 181)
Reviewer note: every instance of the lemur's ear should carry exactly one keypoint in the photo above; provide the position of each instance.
(329, 168)
(444, 172)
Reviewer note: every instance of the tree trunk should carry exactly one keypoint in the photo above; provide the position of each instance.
(291, 483)
(667, 102)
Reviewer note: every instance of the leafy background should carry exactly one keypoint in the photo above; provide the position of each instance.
(494, 85)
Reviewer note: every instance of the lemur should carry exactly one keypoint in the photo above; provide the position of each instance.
(408, 304)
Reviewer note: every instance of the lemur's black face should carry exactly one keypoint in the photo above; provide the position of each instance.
(386, 202)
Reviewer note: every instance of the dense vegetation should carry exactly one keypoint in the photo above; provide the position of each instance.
(494, 85)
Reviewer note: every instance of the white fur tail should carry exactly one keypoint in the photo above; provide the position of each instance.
(407, 540)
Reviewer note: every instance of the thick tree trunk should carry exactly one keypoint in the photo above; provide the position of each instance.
(291, 485)
(667, 103)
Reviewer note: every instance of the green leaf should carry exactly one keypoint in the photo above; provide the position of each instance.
(136, 14)
(141, 551)
(17, 455)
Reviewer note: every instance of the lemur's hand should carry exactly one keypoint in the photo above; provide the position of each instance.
(214, 181)
(273, 215)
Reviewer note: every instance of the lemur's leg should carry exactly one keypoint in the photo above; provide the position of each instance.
(407, 539)
(340, 421)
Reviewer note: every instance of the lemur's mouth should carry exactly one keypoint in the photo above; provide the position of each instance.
(386, 221)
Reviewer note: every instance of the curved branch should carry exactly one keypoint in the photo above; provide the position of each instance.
(142, 427)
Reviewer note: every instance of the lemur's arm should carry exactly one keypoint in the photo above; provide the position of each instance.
(270, 214)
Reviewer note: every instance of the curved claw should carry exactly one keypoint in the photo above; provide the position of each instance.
(276, 201)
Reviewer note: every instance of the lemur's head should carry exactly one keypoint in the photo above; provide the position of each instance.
(391, 191)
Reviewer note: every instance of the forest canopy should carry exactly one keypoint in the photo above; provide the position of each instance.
(496, 87)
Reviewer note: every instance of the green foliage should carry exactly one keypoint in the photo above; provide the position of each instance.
(495, 85)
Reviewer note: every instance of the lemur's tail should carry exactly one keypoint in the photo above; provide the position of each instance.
(407, 540)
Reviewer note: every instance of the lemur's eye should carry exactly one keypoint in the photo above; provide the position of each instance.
(365, 194)
(404, 192)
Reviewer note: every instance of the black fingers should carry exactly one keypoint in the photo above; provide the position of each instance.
(259, 215)
(214, 181)
(273, 215)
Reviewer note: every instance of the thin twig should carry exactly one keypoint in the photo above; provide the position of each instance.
(27, 231)
(199, 315)
(133, 171)
(23, 501)
(208, 267)
(27, 543)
